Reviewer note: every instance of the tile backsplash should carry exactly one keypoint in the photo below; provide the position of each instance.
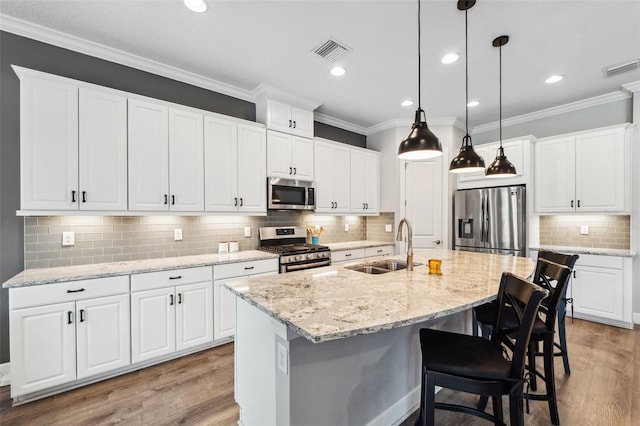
(100, 239)
(613, 232)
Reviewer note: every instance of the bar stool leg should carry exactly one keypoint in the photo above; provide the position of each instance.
(562, 333)
(531, 364)
(549, 378)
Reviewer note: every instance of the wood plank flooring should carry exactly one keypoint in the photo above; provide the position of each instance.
(603, 389)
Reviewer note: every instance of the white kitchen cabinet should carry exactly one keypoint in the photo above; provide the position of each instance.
(48, 143)
(289, 156)
(584, 172)
(186, 164)
(343, 256)
(63, 332)
(235, 166)
(102, 165)
(333, 177)
(285, 118)
(170, 311)
(364, 181)
(224, 320)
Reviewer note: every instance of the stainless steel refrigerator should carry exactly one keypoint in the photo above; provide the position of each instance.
(491, 220)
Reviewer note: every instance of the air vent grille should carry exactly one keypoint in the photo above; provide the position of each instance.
(620, 68)
(331, 50)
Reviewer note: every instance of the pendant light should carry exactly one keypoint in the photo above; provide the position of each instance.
(501, 166)
(467, 159)
(421, 143)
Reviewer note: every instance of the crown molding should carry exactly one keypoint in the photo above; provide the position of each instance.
(264, 91)
(549, 112)
(632, 87)
(406, 122)
(341, 124)
(77, 44)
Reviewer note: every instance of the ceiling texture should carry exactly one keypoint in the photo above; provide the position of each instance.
(243, 44)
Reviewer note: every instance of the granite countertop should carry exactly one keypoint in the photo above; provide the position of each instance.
(30, 277)
(587, 250)
(352, 245)
(333, 302)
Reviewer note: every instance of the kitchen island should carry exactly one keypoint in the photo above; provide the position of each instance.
(334, 346)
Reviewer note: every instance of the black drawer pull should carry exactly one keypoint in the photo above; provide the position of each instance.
(348, 255)
(171, 300)
(81, 315)
(175, 277)
(380, 251)
(69, 317)
(247, 268)
(179, 298)
(75, 291)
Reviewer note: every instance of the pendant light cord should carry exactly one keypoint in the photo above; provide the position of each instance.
(500, 74)
(466, 73)
(419, 60)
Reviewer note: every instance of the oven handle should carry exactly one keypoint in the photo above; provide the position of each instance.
(292, 268)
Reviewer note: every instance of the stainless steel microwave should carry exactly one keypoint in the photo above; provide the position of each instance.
(289, 194)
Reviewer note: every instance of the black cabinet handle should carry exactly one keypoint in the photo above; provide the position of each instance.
(69, 317)
(75, 291)
(295, 171)
(290, 170)
(366, 206)
(380, 251)
(235, 201)
(179, 298)
(165, 199)
(73, 196)
(294, 124)
(348, 255)
(241, 202)
(571, 203)
(81, 315)
(171, 300)
(84, 196)
(173, 199)
(175, 277)
(578, 203)
(247, 268)
(289, 123)
(574, 274)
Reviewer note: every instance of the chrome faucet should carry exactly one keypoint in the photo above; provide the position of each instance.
(409, 241)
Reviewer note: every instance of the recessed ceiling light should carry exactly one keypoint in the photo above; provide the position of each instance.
(198, 6)
(406, 103)
(554, 79)
(449, 58)
(473, 103)
(338, 71)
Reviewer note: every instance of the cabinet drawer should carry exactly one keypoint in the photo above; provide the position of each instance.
(345, 255)
(230, 270)
(23, 297)
(170, 278)
(378, 251)
(596, 261)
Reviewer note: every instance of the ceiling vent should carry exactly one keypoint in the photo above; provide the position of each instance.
(331, 49)
(622, 67)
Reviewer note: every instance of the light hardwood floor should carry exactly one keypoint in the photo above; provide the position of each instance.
(603, 389)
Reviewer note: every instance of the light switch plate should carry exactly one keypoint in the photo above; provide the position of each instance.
(68, 239)
(283, 359)
(584, 229)
(247, 231)
(177, 234)
(388, 227)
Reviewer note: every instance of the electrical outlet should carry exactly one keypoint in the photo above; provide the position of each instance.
(388, 227)
(346, 227)
(283, 359)
(68, 239)
(584, 229)
(247, 231)
(177, 234)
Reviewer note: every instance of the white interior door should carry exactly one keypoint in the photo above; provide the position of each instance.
(423, 202)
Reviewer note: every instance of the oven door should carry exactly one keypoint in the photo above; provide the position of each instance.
(286, 194)
(307, 264)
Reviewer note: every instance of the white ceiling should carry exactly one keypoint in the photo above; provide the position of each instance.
(245, 43)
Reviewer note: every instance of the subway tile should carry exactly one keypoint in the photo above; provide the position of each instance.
(60, 262)
(30, 221)
(81, 261)
(71, 252)
(121, 257)
(112, 250)
(49, 220)
(92, 252)
(35, 264)
(49, 255)
(92, 236)
(103, 259)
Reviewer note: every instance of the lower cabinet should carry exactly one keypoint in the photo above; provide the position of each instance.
(65, 332)
(340, 256)
(170, 311)
(224, 321)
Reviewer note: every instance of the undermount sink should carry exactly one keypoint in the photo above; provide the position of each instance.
(381, 267)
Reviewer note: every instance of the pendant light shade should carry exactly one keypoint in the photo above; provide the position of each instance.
(467, 159)
(421, 143)
(501, 166)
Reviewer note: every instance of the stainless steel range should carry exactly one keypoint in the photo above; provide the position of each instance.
(295, 253)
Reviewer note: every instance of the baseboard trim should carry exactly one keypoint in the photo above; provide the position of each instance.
(636, 317)
(399, 411)
(5, 374)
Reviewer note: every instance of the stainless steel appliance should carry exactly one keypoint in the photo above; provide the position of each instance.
(491, 220)
(295, 253)
(288, 194)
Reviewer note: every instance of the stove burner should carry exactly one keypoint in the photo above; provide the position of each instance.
(295, 253)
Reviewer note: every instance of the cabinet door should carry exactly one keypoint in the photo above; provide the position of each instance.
(555, 175)
(148, 156)
(153, 323)
(186, 164)
(252, 168)
(221, 164)
(279, 148)
(302, 122)
(43, 347)
(600, 171)
(279, 116)
(194, 315)
(323, 152)
(357, 181)
(302, 158)
(598, 292)
(102, 150)
(341, 173)
(103, 332)
(48, 145)
(371, 182)
(224, 311)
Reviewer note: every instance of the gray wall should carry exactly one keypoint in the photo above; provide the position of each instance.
(32, 54)
(326, 131)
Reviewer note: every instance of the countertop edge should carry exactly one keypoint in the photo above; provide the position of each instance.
(587, 250)
(357, 244)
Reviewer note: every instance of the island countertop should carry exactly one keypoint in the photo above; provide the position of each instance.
(333, 302)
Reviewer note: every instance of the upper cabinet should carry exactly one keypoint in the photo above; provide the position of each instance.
(583, 172)
(285, 118)
(364, 181)
(289, 157)
(517, 152)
